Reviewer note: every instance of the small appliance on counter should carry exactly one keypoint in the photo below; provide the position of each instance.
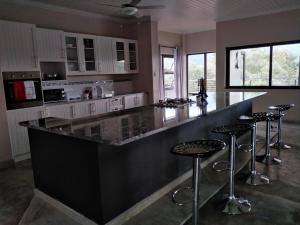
(54, 95)
(22, 89)
(202, 95)
(105, 89)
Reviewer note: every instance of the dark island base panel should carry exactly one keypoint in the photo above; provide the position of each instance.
(102, 181)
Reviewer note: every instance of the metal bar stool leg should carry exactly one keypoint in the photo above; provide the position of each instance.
(196, 173)
(234, 205)
(279, 144)
(267, 158)
(255, 178)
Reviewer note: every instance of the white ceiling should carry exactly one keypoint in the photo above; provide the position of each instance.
(183, 16)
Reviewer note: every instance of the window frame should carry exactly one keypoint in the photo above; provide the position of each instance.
(271, 45)
(205, 67)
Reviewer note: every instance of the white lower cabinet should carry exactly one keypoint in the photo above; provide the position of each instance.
(134, 100)
(79, 109)
(18, 134)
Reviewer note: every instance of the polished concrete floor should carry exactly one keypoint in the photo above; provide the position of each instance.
(277, 203)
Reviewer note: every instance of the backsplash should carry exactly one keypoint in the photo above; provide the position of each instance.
(76, 89)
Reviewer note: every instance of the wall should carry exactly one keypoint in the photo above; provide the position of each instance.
(200, 42)
(262, 29)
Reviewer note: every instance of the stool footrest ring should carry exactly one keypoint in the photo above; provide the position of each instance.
(217, 166)
(176, 192)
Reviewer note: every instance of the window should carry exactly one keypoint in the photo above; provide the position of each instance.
(268, 66)
(201, 66)
(169, 79)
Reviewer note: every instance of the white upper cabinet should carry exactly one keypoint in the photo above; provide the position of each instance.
(105, 55)
(50, 45)
(125, 56)
(81, 54)
(119, 56)
(132, 54)
(18, 47)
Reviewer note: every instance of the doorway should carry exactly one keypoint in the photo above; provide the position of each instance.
(169, 76)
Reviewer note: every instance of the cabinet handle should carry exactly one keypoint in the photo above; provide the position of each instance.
(62, 53)
(73, 111)
(43, 114)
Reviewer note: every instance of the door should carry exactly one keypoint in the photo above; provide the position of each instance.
(132, 54)
(50, 45)
(169, 76)
(18, 134)
(119, 56)
(89, 56)
(18, 47)
(129, 101)
(74, 62)
(105, 55)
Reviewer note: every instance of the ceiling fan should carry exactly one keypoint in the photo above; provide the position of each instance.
(131, 9)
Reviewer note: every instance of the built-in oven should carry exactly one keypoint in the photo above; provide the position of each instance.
(22, 89)
(54, 95)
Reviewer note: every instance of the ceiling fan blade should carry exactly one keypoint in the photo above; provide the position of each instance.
(104, 4)
(134, 2)
(151, 7)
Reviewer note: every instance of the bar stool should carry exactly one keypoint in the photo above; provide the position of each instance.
(234, 205)
(280, 109)
(255, 178)
(198, 150)
(267, 158)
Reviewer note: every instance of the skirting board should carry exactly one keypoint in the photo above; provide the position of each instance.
(7, 164)
(22, 157)
(79, 218)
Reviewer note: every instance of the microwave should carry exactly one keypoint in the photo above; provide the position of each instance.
(54, 95)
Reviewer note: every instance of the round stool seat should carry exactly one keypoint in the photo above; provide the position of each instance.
(199, 148)
(283, 107)
(232, 129)
(255, 117)
(274, 117)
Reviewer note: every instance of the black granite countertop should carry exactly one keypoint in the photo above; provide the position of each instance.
(119, 128)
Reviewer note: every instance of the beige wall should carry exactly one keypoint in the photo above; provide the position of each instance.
(262, 29)
(200, 42)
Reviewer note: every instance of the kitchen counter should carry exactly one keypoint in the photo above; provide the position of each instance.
(101, 166)
(127, 126)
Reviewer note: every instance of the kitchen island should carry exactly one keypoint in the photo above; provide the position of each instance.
(101, 166)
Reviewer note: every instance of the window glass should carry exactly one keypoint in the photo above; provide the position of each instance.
(285, 67)
(169, 76)
(211, 71)
(250, 67)
(195, 71)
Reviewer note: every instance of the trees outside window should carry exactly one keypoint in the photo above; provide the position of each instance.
(202, 65)
(273, 65)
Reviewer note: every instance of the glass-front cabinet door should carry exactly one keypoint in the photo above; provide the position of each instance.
(125, 56)
(132, 56)
(89, 54)
(119, 61)
(72, 51)
(81, 54)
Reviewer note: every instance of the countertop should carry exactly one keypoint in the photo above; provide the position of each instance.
(122, 127)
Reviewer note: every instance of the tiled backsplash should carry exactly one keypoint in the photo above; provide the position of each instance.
(75, 89)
